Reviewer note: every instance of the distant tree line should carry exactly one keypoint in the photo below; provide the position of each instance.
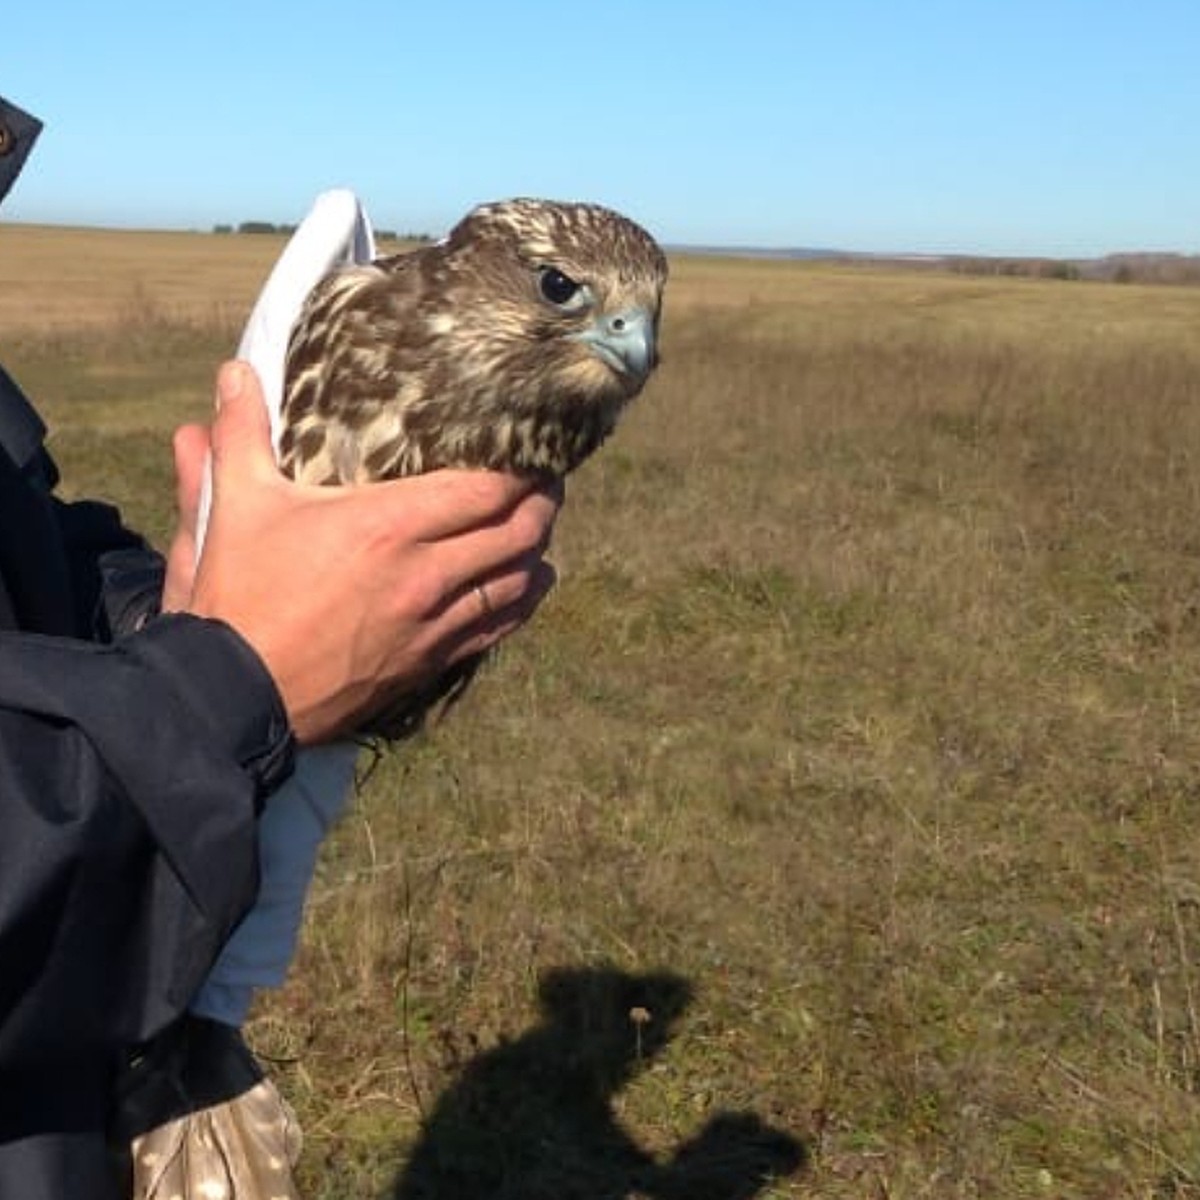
(1113, 268)
(269, 227)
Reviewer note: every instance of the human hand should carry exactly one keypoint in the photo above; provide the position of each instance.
(352, 595)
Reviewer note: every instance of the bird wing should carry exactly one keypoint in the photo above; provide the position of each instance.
(353, 362)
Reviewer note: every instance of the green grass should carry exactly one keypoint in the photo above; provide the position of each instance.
(858, 753)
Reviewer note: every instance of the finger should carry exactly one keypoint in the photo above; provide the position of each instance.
(512, 599)
(241, 432)
(488, 549)
(479, 601)
(180, 572)
(190, 446)
(446, 503)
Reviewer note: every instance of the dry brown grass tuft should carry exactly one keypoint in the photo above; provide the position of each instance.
(857, 754)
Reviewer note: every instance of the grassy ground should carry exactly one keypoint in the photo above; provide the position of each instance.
(830, 833)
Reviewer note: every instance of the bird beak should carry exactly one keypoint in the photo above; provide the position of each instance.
(624, 340)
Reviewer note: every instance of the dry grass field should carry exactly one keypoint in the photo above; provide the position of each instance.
(832, 831)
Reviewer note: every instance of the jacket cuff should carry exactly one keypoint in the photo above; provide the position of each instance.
(225, 683)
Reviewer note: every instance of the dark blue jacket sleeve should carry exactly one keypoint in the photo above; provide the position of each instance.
(131, 777)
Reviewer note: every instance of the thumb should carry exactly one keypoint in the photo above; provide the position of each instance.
(241, 432)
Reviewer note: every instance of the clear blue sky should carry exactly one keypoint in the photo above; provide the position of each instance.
(1063, 127)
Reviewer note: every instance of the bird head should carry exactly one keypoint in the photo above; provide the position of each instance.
(577, 285)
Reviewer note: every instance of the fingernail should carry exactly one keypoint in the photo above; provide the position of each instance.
(230, 382)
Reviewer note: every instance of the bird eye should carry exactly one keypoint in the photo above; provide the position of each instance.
(557, 287)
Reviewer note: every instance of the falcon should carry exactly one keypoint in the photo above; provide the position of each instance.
(514, 344)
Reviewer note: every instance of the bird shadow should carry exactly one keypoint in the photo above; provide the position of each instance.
(532, 1118)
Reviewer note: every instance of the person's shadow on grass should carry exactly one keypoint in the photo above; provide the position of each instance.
(532, 1118)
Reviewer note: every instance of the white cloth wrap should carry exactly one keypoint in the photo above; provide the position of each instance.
(335, 233)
